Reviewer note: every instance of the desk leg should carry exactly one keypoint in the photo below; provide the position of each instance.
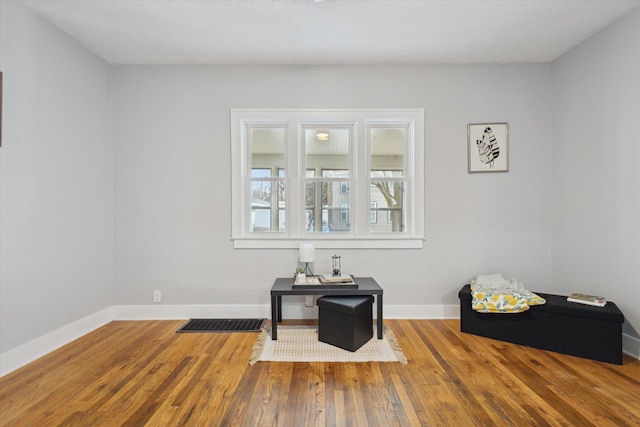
(279, 308)
(274, 317)
(379, 322)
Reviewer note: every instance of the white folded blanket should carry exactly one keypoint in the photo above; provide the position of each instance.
(491, 280)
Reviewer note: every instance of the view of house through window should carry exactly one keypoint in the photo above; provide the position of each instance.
(323, 175)
(327, 158)
(387, 177)
(267, 183)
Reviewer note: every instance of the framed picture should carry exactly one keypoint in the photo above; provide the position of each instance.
(487, 146)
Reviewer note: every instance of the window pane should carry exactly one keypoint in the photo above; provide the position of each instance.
(267, 148)
(267, 197)
(310, 204)
(388, 197)
(336, 207)
(267, 207)
(331, 202)
(387, 161)
(325, 201)
(331, 152)
(261, 206)
(387, 149)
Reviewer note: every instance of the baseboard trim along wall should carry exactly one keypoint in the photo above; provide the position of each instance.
(27, 353)
(32, 350)
(631, 346)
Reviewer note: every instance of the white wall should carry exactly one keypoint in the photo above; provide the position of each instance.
(595, 117)
(55, 180)
(172, 157)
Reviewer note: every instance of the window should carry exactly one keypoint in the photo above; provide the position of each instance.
(344, 212)
(325, 175)
(344, 188)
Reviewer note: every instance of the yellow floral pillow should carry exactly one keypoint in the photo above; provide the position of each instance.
(490, 301)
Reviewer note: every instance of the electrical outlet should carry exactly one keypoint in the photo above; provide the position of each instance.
(309, 301)
(157, 296)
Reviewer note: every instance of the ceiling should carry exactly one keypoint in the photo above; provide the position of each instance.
(315, 32)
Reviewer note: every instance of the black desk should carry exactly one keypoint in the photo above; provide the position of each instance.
(284, 286)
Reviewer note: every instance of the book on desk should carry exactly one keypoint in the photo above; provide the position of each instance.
(329, 278)
(327, 281)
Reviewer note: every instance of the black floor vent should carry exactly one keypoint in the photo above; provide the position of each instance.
(222, 325)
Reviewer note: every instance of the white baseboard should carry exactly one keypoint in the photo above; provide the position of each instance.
(631, 346)
(32, 350)
(195, 311)
(28, 352)
(421, 312)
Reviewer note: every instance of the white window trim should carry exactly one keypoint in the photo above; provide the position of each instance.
(294, 120)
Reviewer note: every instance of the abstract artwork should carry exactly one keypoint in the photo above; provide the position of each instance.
(487, 147)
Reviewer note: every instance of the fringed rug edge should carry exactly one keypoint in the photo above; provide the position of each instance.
(256, 352)
(393, 342)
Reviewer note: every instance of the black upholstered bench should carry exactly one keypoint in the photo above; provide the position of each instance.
(560, 326)
(345, 321)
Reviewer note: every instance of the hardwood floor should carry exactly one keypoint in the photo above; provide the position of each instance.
(142, 373)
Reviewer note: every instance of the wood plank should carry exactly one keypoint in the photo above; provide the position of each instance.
(142, 373)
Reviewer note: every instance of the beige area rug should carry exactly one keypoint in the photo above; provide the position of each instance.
(300, 344)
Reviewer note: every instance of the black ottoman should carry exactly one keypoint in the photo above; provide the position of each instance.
(345, 321)
(560, 326)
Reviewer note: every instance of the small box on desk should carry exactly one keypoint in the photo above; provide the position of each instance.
(559, 325)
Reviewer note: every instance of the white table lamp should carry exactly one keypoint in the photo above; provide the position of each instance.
(307, 254)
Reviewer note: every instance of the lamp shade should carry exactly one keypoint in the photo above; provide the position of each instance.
(307, 252)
